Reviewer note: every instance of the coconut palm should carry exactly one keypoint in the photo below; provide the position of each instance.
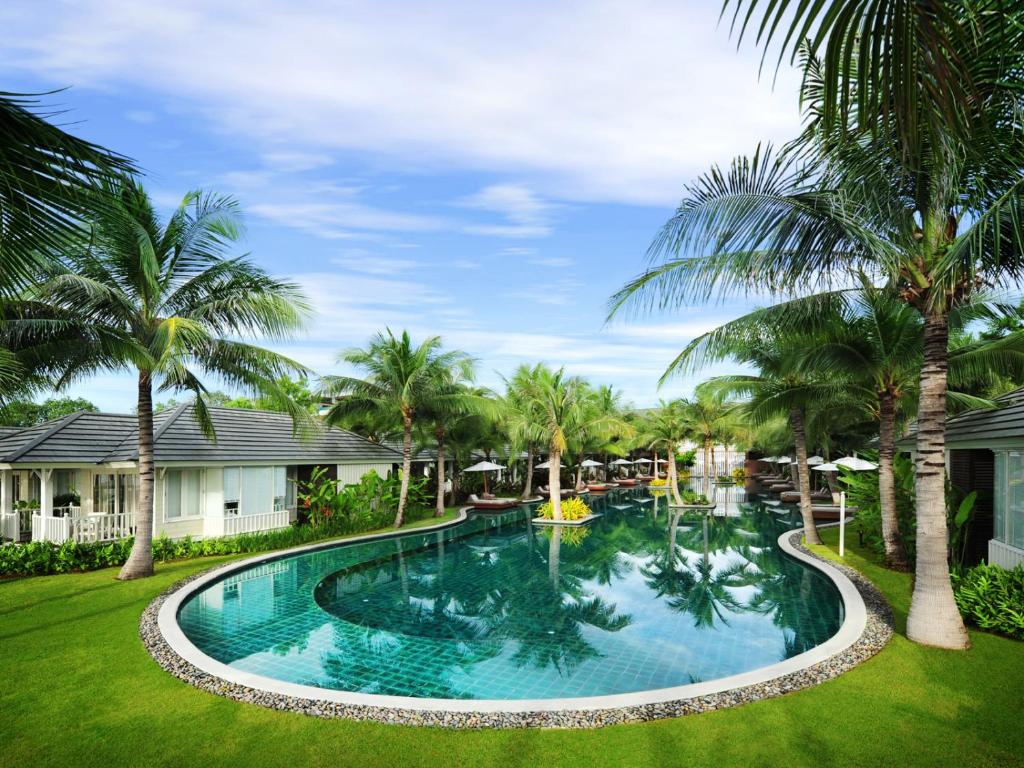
(710, 418)
(453, 400)
(164, 300)
(402, 380)
(887, 180)
(49, 183)
(520, 417)
(559, 403)
(664, 428)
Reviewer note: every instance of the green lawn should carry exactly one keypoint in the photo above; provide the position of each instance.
(78, 689)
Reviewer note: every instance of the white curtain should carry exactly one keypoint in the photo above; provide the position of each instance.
(182, 493)
(257, 490)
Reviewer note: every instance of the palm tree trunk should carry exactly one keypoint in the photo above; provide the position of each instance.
(707, 467)
(555, 482)
(933, 618)
(528, 485)
(403, 495)
(440, 473)
(140, 561)
(895, 555)
(673, 478)
(554, 554)
(796, 421)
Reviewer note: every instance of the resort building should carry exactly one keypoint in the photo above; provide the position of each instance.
(77, 477)
(985, 453)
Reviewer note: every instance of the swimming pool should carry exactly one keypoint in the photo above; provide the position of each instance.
(498, 609)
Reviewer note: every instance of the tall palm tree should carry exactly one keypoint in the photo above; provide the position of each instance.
(454, 399)
(402, 380)
(664, 428)
(520, 417)
(165, 300)
(709, 416)
(602, 429)
(560, 405)
(909, 170)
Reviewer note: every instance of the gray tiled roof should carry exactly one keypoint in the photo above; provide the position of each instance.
(1005, 423)
(242, 435)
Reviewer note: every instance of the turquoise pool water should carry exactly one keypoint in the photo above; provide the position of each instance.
(496, 608)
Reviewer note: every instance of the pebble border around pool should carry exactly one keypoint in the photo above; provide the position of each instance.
(877, 631)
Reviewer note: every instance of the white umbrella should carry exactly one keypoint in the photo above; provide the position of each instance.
(825, 467)
(547, 465)
(483, 466)
(643, 461)
(770, 459)
(812, 460)
(783, 460)
(620, 462)
(857, 465)
(591, 463)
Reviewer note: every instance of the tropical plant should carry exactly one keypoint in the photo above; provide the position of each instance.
(992, 598)
(572, 509)
(22, 413)
(402, 381)
(166, 301)
(908, 170)
(665, 427)
(50, 181)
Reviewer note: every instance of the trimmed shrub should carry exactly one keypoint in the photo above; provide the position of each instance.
(992, 598)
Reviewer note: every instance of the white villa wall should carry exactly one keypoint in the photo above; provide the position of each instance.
(349, 474)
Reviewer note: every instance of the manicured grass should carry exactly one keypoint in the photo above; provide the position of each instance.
(79, 690)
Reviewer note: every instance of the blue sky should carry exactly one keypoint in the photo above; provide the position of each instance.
(490, 173)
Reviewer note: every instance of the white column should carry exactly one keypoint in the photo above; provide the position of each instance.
(86, 491)
(6, 500)
(46, 492)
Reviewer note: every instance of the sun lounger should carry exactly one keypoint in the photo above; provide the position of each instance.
(479, 503)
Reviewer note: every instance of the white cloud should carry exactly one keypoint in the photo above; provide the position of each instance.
(587, 100)
(337, 220)
(293, 162)
(526, 214)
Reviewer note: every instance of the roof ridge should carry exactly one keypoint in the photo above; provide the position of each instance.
(58, 425)
(173, 417)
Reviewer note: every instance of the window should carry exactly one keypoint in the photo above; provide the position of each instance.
(1009, 498)
(255, 490)
(103, 494)
(280, 487)
(182, 495)
(127, 492)
(232, 490)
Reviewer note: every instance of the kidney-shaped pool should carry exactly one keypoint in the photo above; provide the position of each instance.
(642, 598)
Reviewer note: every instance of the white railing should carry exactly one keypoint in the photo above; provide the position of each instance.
(266, 521)
(9, 526)
(1005, 555)
(102, 527)
(55, 529)
(83, 529)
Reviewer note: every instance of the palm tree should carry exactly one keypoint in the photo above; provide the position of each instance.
(520, 417)
(709, 416)
(560, 405)
(602, 428)
(909, 170)
(49, 183)
(665, 428)
(402, 380)
(453, 400)
(166, 301)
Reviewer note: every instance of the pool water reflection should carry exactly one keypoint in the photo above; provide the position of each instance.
(495, 608)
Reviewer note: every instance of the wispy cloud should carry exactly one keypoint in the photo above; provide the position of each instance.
(525, 213)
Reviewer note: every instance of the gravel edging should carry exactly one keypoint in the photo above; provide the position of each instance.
(877, 633)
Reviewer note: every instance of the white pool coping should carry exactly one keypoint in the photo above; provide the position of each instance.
(853, 626)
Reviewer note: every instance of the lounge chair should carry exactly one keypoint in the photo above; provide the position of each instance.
(492, 503)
